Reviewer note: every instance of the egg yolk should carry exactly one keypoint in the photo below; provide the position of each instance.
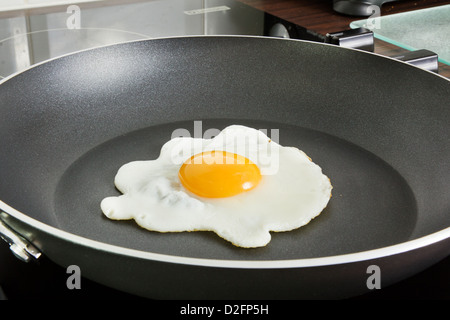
(219, 174)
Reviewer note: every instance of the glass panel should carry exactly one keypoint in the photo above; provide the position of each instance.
(420, 29)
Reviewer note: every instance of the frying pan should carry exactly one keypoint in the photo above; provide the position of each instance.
(379, 129)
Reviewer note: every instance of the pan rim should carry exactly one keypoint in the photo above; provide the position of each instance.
(355, 257)
(218, 263)
(9, 77)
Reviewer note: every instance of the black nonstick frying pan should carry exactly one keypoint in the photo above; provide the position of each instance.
(379, 128)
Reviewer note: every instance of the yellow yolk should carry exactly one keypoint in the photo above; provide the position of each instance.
(219, 174)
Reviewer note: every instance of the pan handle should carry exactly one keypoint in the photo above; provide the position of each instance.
(20, 247)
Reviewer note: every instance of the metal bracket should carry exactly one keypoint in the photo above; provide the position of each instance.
(360, 38)
(19, 246)
(422, 58)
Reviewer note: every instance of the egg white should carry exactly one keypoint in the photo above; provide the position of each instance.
(292, 192)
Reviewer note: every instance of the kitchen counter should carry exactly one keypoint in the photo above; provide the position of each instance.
(320, 17)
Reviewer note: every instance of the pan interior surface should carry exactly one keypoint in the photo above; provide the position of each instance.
(371, 207)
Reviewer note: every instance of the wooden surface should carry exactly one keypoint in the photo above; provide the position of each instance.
(319, 16)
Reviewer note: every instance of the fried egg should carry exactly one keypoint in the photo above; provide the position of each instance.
(240, 184)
